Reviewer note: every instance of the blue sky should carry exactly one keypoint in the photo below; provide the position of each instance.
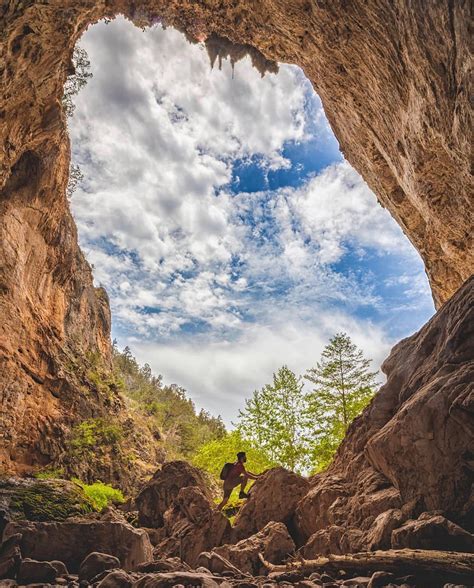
(219, 214)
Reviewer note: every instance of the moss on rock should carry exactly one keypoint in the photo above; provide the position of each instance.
(43, 500)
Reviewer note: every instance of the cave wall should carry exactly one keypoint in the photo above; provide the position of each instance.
(410, 451)
(393, 78)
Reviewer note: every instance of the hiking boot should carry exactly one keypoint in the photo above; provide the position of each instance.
(243, 495)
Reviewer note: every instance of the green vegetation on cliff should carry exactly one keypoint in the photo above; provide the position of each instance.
(169, 413)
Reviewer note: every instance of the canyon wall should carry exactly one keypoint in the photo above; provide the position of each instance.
(393, 78)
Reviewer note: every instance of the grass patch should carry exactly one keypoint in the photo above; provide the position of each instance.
(49, 474)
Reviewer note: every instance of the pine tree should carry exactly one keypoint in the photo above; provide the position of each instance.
(273, 420)
(343, 386)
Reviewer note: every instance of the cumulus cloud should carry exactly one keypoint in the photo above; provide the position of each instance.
(221, 374)
(217, 287)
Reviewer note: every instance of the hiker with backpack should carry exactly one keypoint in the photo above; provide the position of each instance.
(234, 474)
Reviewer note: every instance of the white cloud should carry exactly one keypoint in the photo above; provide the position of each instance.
(221, 374)
(217, 289)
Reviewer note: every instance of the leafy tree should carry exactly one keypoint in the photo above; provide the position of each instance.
(213, 455)
(273, 420)
(77, 80)
(343, 386)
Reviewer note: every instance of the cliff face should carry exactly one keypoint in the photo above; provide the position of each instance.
(411, 450)
(393, 80)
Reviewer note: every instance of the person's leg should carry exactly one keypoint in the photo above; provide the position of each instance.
(244, 480)
(225, 500)
(242, 493)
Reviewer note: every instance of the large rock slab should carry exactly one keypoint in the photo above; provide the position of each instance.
(273, 497)
(160, 492)
(432, 532)
(72, 542)
(408, 450)
(273, 542)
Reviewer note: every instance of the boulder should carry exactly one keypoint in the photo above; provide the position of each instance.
(380, 579)
(96, 563)
(273, 542)
(160, 492)
(334, 540)
(10, 556)
(379, 536)
(116, 579)
(273, 497)
(71, 542)
(193, 525)
(217, 564)
(32, 572)
(323, 542)
(316, 510)
(41, 500)
(61, 569)
(432, 532)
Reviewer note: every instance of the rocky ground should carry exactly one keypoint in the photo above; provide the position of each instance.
(171, 534)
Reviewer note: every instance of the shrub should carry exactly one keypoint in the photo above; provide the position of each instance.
(95, 432)
(100, 494)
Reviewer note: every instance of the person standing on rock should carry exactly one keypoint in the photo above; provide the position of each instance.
(234, 474)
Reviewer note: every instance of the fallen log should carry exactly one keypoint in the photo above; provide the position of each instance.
(442, 566)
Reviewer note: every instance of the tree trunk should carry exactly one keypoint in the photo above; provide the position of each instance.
(440, 566)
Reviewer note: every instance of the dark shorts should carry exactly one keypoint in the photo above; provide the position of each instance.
(229, 485)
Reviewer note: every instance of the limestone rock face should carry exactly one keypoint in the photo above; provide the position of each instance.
(72, 542)
(408, 452)
(273, 542)
(273, 498)
(393, 79)
(161, 491)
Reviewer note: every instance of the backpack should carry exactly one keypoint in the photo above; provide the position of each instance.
(226, 470)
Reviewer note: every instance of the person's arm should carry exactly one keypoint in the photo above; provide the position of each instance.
(253, 476)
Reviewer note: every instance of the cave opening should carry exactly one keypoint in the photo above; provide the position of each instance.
(394, 82)
(221, 217)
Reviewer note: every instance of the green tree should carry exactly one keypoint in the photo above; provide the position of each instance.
(273, 420)
(343, 386)
(213, 455)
